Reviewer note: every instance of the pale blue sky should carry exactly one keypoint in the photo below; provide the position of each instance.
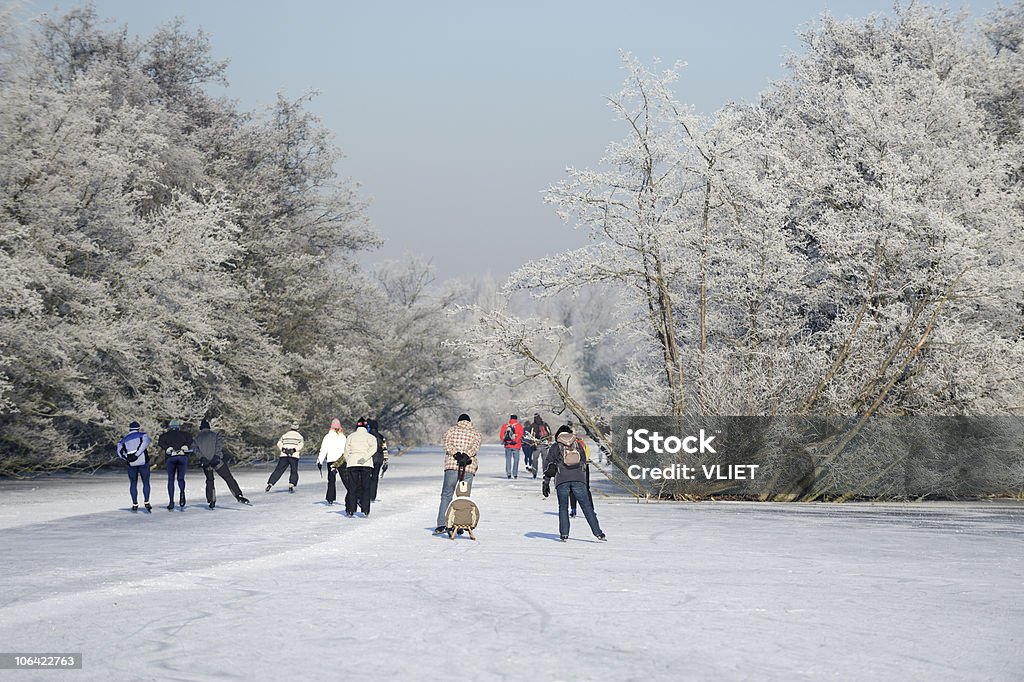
(455, 116)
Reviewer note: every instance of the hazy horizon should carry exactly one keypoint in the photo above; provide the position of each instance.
(454, 117)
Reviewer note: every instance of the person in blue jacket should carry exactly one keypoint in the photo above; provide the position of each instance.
(132, 449)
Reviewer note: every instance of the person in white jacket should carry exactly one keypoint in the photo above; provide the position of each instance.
(360, 447)
(332, 447)
(290, 446)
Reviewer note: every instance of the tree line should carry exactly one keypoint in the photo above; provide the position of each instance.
(165, 253)
(850, 244)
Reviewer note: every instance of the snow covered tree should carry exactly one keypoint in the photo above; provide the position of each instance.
(166, 255)
(851, 245)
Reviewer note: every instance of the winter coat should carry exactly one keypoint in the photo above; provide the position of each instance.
(132, 448)
(461, 438)
(209, 445)
(381, 455)
(292, 440)
(332, 447)
(359, 448)
(517, 444)
(175, 440)
(564, 473)
(534, 429)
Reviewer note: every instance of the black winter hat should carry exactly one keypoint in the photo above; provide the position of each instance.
(205, 424)
(464, 418)
(513, 417)
(135, 425)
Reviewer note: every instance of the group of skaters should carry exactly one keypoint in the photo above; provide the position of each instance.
(562, 457)
(359, 459)
(177, 444)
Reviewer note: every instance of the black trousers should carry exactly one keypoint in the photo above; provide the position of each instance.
(358, 489)
(375, 476)
(225, 473)
(332, 487)
(282, 464)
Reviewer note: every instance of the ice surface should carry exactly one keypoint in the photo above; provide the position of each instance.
(290, 588)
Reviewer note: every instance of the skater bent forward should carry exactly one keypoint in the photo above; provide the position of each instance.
(290, 447)
(176, 445)
(133, 450)
(209, 448)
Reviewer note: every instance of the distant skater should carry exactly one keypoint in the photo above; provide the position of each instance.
(209, 448)
(290, 447)
(133, 450)
(511, 435)
(535, 437)
(176, 444)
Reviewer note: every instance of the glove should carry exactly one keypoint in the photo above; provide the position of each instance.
(545, 488)
(551, 471)
(169, 451)
(462, 459)
(288, 451)
(320, 467)
(384, 467)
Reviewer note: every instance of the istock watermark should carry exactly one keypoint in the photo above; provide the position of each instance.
(819, 458)
(642, 441)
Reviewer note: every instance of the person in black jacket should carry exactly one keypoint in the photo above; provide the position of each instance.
(176, 445)
(565, 462)
(209, 448)
(380, 458)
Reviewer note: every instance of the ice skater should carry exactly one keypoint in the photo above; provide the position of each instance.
(332, 447)
(461, 445)
(209, 448)
(380, 457)
(133, 450)
(290, 447)
(176, 445)
(511, 435)
(358, 460)
(536, 437)
(565, 463)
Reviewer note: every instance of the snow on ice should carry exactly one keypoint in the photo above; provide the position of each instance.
(290, 588)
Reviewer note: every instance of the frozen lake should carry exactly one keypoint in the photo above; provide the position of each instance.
(290, 588)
